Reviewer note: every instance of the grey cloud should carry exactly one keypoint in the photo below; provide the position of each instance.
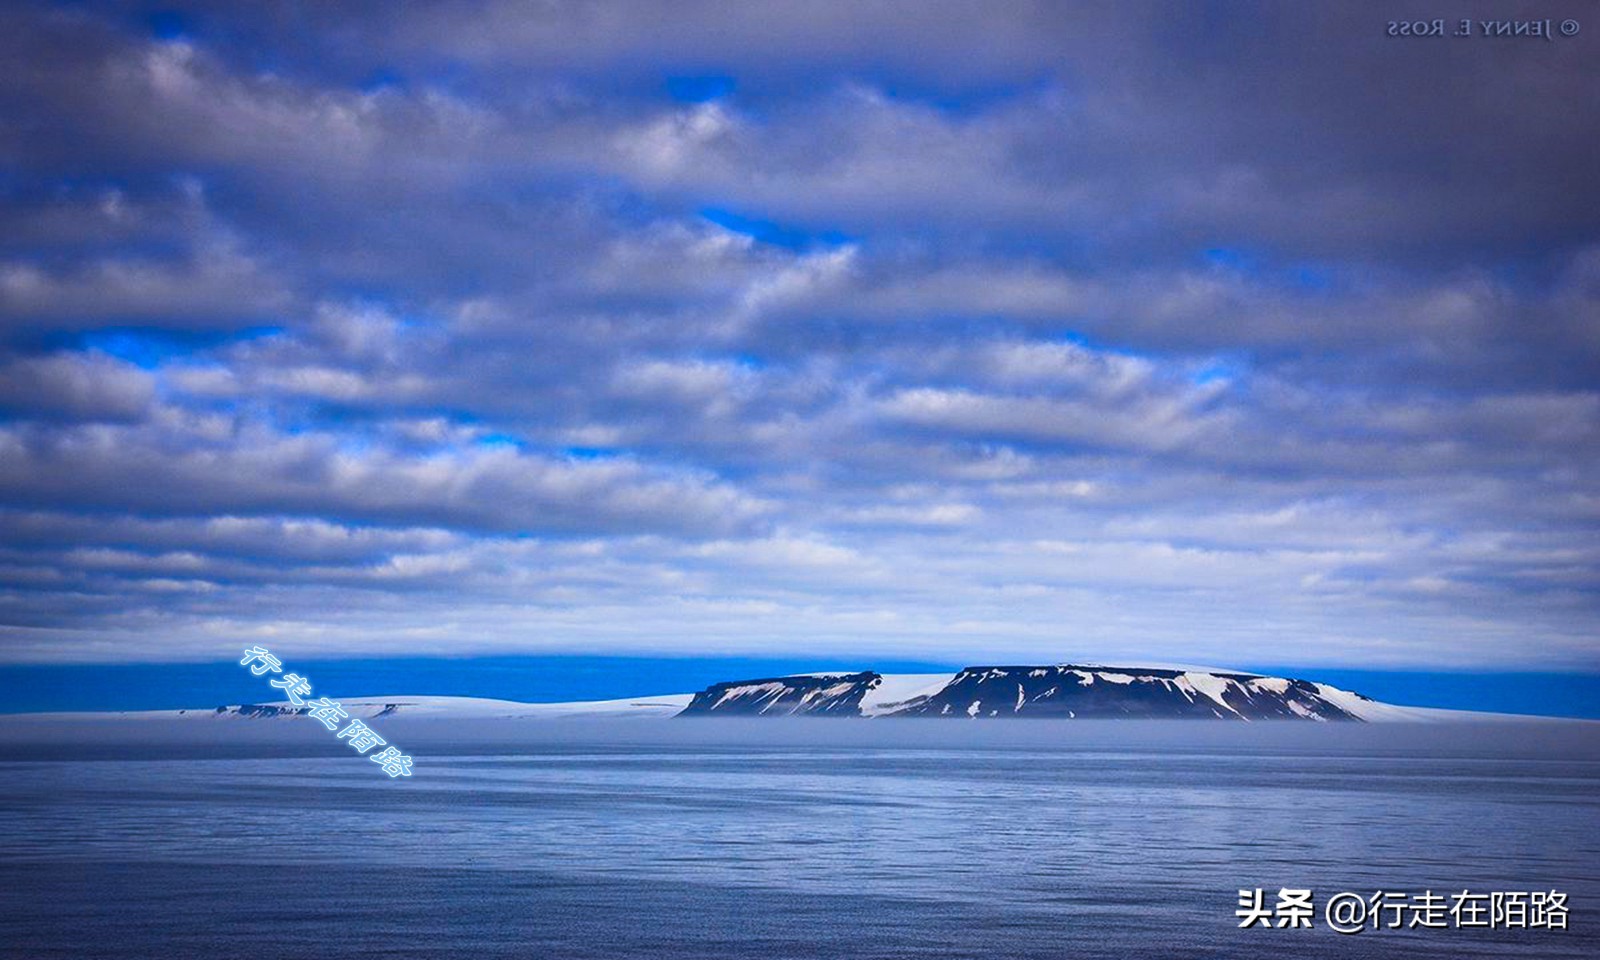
(75, 387)
(264, 540)
(1179, 334)
(165, 261)
(192, 468)
(218, 287)
(1216, 154)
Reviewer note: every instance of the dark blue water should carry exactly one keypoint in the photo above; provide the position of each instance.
(826, 840)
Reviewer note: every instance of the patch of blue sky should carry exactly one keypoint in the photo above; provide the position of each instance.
(382, 79)
(169, 25)
(772, 233)
(494, 441)
(1079, 339)
(289, 427)
(150, 349)
(701, 88)
(591, 453)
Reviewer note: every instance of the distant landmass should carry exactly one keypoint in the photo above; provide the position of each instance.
(1070, 691)
(1060, 691)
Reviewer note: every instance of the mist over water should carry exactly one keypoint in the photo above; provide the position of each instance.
(814, 838)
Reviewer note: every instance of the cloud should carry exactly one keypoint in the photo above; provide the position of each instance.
(998, 332)
(184, 466)
(105, 260)
(75, 387)
(218, 286)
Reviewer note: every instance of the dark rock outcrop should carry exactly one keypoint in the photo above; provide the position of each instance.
(1090, 692)
(837, 695)
(1064, 691)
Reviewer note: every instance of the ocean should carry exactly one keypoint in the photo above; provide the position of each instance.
(784, 839)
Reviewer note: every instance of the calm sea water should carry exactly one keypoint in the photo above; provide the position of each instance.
(807, 840)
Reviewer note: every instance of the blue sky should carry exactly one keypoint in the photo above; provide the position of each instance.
(796, 333)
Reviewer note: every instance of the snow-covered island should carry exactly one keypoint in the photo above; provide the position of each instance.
(1061, 691)
(1070, 691)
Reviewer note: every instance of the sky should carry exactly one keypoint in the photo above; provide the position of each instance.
(826, 331)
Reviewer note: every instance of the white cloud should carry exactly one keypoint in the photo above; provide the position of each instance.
(463, 361)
